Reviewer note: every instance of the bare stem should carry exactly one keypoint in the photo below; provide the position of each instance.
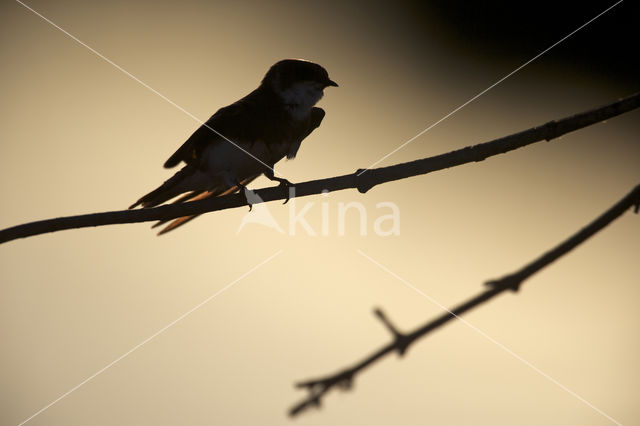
(319, 387)
(363, 180)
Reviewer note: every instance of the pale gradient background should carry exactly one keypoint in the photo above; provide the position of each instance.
(79, 136)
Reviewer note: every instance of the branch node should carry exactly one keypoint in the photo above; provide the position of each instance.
(363, 184)
(551, 130)
(511, 282)
(315, 401)
(401, 340)
(346, 383)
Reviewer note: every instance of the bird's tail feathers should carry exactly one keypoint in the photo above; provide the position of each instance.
(194, 196)
(174, 186)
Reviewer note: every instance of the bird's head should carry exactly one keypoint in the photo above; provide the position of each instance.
(300, 84)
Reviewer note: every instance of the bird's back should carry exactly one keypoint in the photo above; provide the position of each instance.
(257, 116)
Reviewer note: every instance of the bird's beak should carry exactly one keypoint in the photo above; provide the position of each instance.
(331, 83)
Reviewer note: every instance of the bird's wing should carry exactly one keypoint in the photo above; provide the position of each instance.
(224, 123)
(175, 185)
(313, 122)
(315, 119)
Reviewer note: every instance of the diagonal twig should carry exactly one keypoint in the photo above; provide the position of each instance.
(317, 388)
(360, 181)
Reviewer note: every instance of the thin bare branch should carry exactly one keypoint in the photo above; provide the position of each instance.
(361, 181)
(317, 388)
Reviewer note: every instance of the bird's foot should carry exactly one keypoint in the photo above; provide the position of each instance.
(285, 185)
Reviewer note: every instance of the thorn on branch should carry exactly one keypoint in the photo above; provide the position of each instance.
(401, 340)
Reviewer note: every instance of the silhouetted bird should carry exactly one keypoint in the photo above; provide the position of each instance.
(245, 139)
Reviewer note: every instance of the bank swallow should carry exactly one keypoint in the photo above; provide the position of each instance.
(246, 139)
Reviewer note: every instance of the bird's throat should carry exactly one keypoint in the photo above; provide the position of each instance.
(300, 98)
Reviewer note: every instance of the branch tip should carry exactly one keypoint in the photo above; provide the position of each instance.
(383, 318)
(309, 384)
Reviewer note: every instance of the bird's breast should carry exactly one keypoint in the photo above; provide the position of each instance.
(243, 159)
